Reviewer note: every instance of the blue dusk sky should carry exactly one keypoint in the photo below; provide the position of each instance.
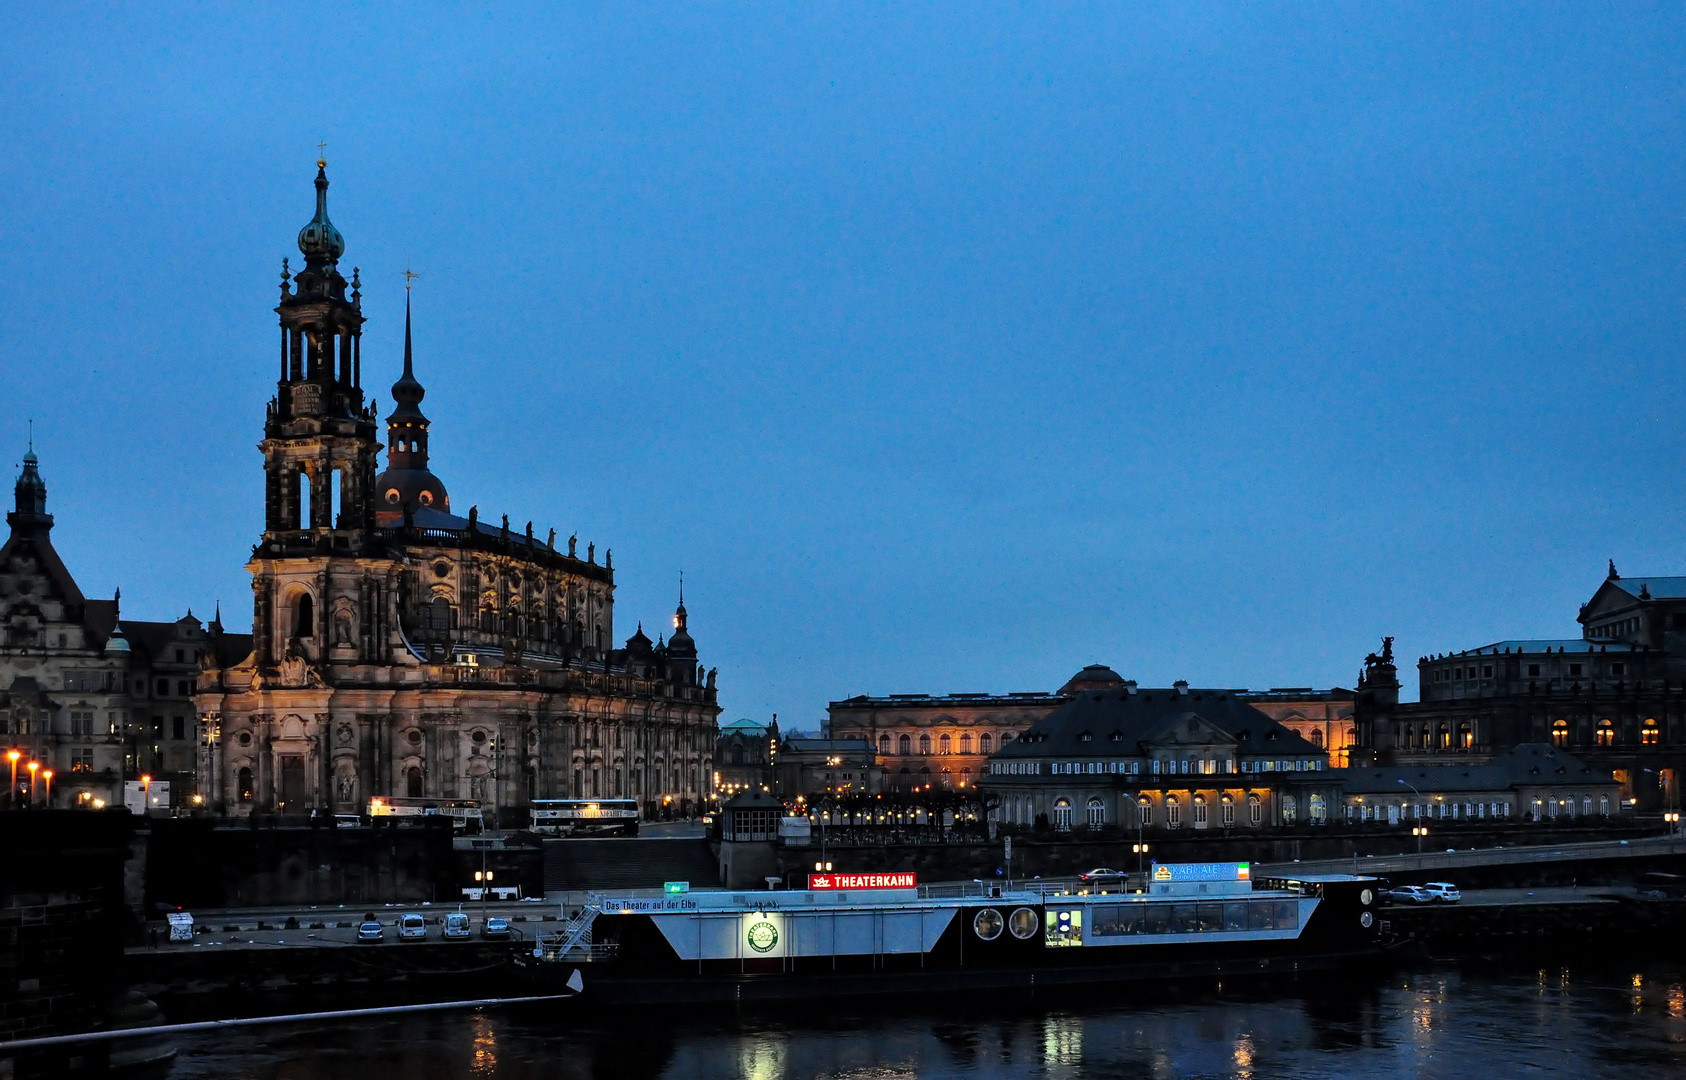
(943, 348)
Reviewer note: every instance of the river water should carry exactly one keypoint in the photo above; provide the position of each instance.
(1462, 1022)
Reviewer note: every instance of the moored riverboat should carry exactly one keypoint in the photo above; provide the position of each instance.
(877, 934)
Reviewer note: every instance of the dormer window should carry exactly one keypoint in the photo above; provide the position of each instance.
(1085, 737)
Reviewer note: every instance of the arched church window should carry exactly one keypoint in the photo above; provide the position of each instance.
(413, 782)
(924, 744)
(883, 744)
(985, 744)
(1317, 738)
(905, 746)
(1649, 734)
(1560, 733)
(244, 782)
(304, 617)
(966, 743)
(945, 745)
(1605, 733)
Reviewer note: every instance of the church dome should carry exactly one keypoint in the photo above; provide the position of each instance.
(417, 487)
(1093, 677)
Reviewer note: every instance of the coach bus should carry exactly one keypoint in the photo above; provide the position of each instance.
(464, 813)
(585, 817)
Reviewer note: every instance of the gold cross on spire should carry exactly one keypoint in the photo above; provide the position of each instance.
(322, 155)
(409, 276)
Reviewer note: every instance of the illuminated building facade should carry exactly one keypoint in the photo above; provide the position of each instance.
(1324, 718)
(401, 649)
(925, 741)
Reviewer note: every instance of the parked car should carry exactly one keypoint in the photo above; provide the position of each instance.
(370, 933)
(347, 821)
(456, 926)
(495, 928)
(1443, 892)
(1099, 873)
(412, 927)
(1410, 894)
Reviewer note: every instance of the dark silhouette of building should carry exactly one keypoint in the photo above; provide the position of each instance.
(1615, 697)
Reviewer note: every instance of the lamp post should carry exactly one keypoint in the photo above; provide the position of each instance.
(1141, 856)
(1414, 832)
(34, 767)
(47, 793)
(12, 794)
(146, 793)
(1419, 831)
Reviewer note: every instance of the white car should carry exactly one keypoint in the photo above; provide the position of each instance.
(1443, 892)
(412, 927)
(1409, 894)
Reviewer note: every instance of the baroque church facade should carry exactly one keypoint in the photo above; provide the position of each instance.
(401, 650)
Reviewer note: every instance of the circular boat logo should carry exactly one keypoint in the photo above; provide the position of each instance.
(763, 936)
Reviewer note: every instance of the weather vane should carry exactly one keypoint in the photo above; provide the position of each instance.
(409, 276)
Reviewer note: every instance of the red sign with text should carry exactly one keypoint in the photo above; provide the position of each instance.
(863, 881)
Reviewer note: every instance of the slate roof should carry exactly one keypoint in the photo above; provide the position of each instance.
(1541, 645)
(1138, 717)
(1660, 588)
(1525, 763)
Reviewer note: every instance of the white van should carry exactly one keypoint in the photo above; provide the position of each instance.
(412, 927)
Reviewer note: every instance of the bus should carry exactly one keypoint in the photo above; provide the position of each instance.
(464, 813)
(586, 817)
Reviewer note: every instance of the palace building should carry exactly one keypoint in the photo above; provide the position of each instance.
(403, 650)
(1115, 755)
(93, 700)
(1614, 697)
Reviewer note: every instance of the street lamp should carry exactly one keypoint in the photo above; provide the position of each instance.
(146, 793)
(1419, 832)
(33, 766)
(1672, 818)
(47, 795)
(484, 878)
(1141, 854)
(12, 795)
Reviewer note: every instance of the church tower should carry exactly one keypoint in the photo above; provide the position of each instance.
(319, 447)
(319, 438)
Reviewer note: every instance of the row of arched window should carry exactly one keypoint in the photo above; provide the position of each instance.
(1437, 737)
(945, 744)
(1605, 733)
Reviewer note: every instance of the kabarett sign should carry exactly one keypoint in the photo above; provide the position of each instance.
(862, 881)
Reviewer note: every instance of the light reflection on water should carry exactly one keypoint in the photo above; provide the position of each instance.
(1431, 1024)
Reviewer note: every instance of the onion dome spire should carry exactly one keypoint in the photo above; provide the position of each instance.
(319, 242)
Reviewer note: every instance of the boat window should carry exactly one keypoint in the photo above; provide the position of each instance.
(1023, 923)
(1235, 915)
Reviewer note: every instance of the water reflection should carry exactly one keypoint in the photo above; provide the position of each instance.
(1440, 1023)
